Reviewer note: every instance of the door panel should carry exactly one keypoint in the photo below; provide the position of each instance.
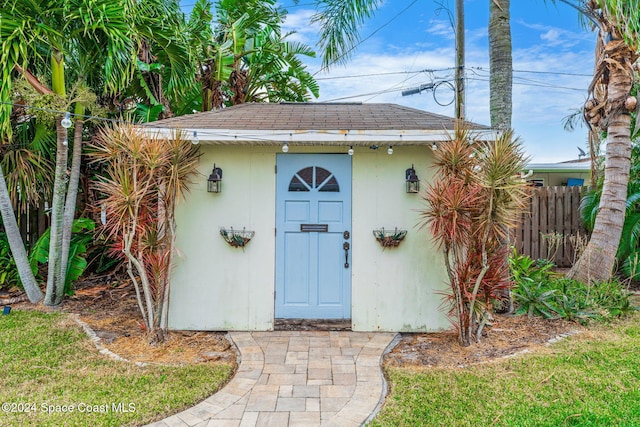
(313, 210)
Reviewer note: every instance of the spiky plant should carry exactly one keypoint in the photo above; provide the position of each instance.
(144, 179)
(471, 205)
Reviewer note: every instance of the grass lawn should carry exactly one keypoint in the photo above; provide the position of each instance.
(52, 375)
(592, 379)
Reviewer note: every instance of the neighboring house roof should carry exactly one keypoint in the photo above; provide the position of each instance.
(560, 167)
(314, 122)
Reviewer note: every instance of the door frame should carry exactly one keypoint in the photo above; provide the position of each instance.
(281, 182)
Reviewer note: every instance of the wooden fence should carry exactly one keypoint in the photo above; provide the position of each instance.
(552, 229)
(32, 223)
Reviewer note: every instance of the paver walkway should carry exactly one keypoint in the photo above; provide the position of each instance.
(296, 378)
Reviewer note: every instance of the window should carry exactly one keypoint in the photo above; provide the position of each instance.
(314, 177)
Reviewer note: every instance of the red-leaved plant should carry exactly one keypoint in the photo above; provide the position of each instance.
(471, 204)
(144, 177)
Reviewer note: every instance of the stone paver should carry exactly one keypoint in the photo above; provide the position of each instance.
(296, 378)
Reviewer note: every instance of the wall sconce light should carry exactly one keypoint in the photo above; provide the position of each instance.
(214, 183)
(434, 146)
(285, 148)
(195, 140)
(390, 150)
(350, 152)
(413, 182)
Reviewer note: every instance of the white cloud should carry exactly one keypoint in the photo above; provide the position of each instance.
(300, 22)
(386, 65)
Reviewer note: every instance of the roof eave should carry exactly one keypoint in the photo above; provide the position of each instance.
(323, 137)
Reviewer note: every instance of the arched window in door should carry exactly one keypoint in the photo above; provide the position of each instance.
(314, 178)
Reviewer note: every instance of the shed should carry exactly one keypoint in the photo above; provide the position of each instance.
(319, 189)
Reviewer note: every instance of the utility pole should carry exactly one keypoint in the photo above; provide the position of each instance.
(460, 59)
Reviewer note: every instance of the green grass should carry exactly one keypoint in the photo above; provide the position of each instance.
(592, 379)
(46, 360)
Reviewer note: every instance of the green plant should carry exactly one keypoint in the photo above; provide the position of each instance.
(534, 298)
(523, 266)
(145, 177)
(8, 271)
(538, 291)
(82, 230)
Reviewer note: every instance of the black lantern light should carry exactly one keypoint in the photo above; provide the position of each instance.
(413, 182)
(214, 183)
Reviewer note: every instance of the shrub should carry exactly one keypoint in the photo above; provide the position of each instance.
(538, 291)
(8, 271)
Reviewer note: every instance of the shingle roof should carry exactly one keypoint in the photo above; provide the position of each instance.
(314, 115)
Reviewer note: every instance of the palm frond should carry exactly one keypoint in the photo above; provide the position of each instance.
(339, 22)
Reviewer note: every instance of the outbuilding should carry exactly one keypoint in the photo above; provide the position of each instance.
(308, 211)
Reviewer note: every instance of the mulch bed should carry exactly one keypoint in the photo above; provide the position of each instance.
(508, 335)
(108, 304)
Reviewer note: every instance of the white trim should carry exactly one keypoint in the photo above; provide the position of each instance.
(323, 137)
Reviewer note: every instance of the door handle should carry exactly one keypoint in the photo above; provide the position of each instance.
(346, 247)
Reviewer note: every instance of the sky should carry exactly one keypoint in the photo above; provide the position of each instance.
(553, 57)
(409, 43)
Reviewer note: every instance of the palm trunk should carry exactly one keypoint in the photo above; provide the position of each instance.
(17, 245)
(72, 193)
(55, 284)
(598, 259)
(501, 73)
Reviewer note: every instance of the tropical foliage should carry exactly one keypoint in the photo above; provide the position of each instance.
(540, 292)
(144, 179)
(145, 58)
(76, 264)
(628, 254)
(246, 58)
(470, 206)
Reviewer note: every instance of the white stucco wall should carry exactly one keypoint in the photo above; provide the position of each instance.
(394, 289)
(217, 287)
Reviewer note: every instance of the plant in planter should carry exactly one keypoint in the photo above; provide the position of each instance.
(389, 239)
(236, 239)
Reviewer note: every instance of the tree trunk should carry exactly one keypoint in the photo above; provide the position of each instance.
(17, 245)
(598, 259)
(501, 73)
(55, 284)
(72, 193)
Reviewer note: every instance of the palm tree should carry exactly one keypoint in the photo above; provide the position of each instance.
(618, 26)
(501, 72)
(17, 245)
(339, 22)
(247, 59)
(43, 35)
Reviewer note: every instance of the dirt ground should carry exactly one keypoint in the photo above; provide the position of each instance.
(507, 336)
(108, 305)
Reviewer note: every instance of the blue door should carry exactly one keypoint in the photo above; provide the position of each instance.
(313, 236)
